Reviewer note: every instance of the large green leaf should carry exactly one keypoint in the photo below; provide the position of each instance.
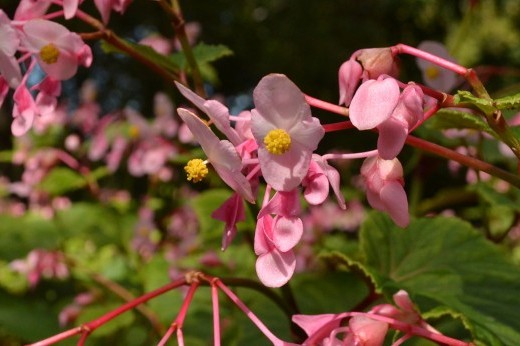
(448, 268)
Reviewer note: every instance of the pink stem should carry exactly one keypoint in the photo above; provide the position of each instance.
(59, 337)
(405, 49)
(326, 105)
(342, 125)
(216, 315)
(361, 155)
(402, 339)
(177, 324)
(249, 314)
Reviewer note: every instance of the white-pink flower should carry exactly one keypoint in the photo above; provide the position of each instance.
(9, 42)
(285, 131)
(59, 51)
(434, 76)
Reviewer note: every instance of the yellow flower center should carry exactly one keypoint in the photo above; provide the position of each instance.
(277, 141)
(432, 72)
(196, 170)
(49, 53)
(133, 131)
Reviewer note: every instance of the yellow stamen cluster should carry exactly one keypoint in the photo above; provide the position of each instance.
(432, 72)
(49, 53)
(133, 131)
(277, 141)
(196, 170)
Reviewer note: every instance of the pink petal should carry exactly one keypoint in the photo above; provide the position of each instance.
(10, 70)
(263, 234)
(231, 212)
(219, 113)
(373, 103)
(39, 32)
(104, 8)
(275, 268)
(280, 101)
(283, 203)
(395, 201)
(285, 172)
(334, 179)
(287, 232)
(316, 188)
(63, 69)
(22, 123)
(312, 324)
(308, 133)
(69, 8)
(392, 136)
(349, 75)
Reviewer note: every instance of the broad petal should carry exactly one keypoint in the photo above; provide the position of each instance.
(202, 133)
(287, 232)
(334, 179)
(373, 103)
(39, 32)
(316, 188)
(367, 331)
(63, 69)
(395, 201)
(275, 268)
(22, 123)
(285, 172)
(349, 75)
(308, 133)
(10, 70)
(392, 135)
(283, 203)
(193, 97)
(280, 101)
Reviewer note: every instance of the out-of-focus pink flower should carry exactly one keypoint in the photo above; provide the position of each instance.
(41, 263)
(230, 212)
(46, 100)
(106, 6)
(164, 122)
(373, 103)
(9, 68)
(384, 183)
(285, 131)
(69, 8)
(58, 51)
(150, 156)
(435, 76)
(159, 43)
(349, 75)
(221, 154)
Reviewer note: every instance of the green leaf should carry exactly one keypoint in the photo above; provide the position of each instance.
(148, 52)
(448, 268)
(204, 53)
(508, 102)
(484, 105)
(62, 180)
(452, 119)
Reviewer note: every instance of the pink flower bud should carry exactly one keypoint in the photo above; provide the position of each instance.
(377, 62)
(385, 192)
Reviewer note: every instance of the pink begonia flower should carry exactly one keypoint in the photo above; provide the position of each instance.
(106, 6)
(384, 183)
(230, 212)
(407, 113)
(285, 131)
(317, 181)
(24, 111)
(30, 9)
(221, 154)
(285, 203)
(404, 312)
(9, 43)
(435, 76)
(349, 75)
(373, 103)
(273, 267)
(150, 156)
(41, 263)
(216, 111)
(58, 51)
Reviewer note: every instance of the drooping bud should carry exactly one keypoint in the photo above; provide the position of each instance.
(349, 75)
(377, 62)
